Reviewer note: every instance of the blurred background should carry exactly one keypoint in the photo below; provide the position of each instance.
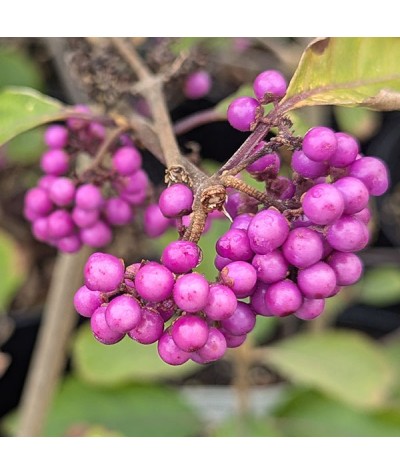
(338, 375)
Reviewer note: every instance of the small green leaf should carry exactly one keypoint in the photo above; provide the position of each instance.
(343, 364)
(122, 363)
(348, 72)
(17, 69)
(12, 270)
(357, 121)
(26, 147)
(392, 351)
(250, 426)
(380, 286)
(309, 414)
(22, 109)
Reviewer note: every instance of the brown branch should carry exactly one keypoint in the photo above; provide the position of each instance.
(107, 143)
(198, 119)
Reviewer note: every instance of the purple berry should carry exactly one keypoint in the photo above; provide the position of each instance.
(320, 144)
(303, 247)
(87, 301)
(242, 221)
(347, 267)
(364, 215)
(123, 313)
(101, 331)
(40, 229)
(269, 82)
(169, 352)
(221, 303)
(60, 224)
(176, 200)
(46, 181)
(127, 160)
(135, 184)
(310, 309)
(189, 332)
(306, 167)
(267, 231)
(197, 85)
(240, 276)
(213, 350)
(373, 173)
(355, 194)
(56, 136)
(221, 262)
(242, 113)
(323, 204)
(317, 281)
(270, 267)
(38, 201)
(62, 191)
(89, 197)
(257, 300)
(348, 234)
(282, 187)
(154, 222)
(234, 245)
(238, 203)
(97, 235)
(181, 257)
(283, 298)
(103, 272)
(241, 322)
(267, 166)
(84, 218)
(154, 282)
(191, 292)
(69, 244)
(149, 329)
(55, 162)
(346, 151)
(118, 212)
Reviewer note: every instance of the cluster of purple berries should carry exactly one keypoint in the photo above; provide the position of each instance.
(67, 211)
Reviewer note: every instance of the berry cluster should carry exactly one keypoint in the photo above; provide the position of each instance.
(67, 210)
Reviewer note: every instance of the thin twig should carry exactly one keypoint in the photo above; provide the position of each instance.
(198, 119)
(107, 143)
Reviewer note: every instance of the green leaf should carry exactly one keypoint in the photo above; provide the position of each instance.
(343, 364)
(392, 351)
(133, 411)
(208, 43)
(125, 362)
(12, 269)
(309, 414)
(22, 109)
(357, 121)
(348, 72)
(380, 286)
(250, 426)
(17, 69)
(26, 147)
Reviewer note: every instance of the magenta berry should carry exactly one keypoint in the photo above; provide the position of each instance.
(103, 272)
(123, 313)
(320, 144)
(62, 191)
(55, 162)
(373, 173)
(169, 352)
(317, 281)
(189, 332)
(241, 322)
(267, 231)
(271, 267)
(221, 302)
(355, 194)
(347, 267)
(303, 247)
(56, 136)
(348, 234)
(150, 327)
(269, 82)
(101, 331)
(240, 276)
(88, 197)
(87, 301)
(306, 167)
(154, 222)
(213, 350)
(346, 152)
(176, 200)
(235, 245)
(310, 309)
(283, 298)
(154, 282)
(197, 84)
(242, 113)
(191, 292)
(127, 160)
(323, 204)
(117, 211)
(97, 235)
(181, 256)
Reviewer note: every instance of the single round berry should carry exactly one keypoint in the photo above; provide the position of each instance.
(306, 167)
(269, 82)
(191, 292)
(234, 245)
(84, 218)
(127, 160)
(60, 224)
(270, 267)
(123, 313)
(117, 211)
(40, 229)
(189, 332)
(267, 231)
(221, 303)
(355, 194)
(87, 301)
(169, 352)
(283, 298)
(101, 331)
(97, 235)
(55, 162)
(154, 282)
(89, 197)
(317, 281)
(242, 221)
(154, 222)
(197, 85)
(149, 329)
(347, 267)
(257, 300)
(242, 113)
(303, 247)
(346, 151)
(69, 244)
(323, 204)
(176, 200)
(241, 322)
(310, 309)
(181, 256)
(320, 144)
(56, 136)
(103, 272)
(62, 191)
(38, 201)
(373, 173)
(240, 276)
(213, 350)
(348, 234)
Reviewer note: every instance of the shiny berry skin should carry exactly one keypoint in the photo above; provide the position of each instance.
(317, 281)
(283, 298)
(150, 327)
(87, 301)
(169, 352)
(269, 82)
(101, 331)
(323, 204)
(221, 302)
(181, 256)
(320, 144)
(123, 313)
(189, 332)
(103, 272)
(242, 113)
(191, 292)
(373, 173)
(176, 200)
(154, 282)
(267, 231)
